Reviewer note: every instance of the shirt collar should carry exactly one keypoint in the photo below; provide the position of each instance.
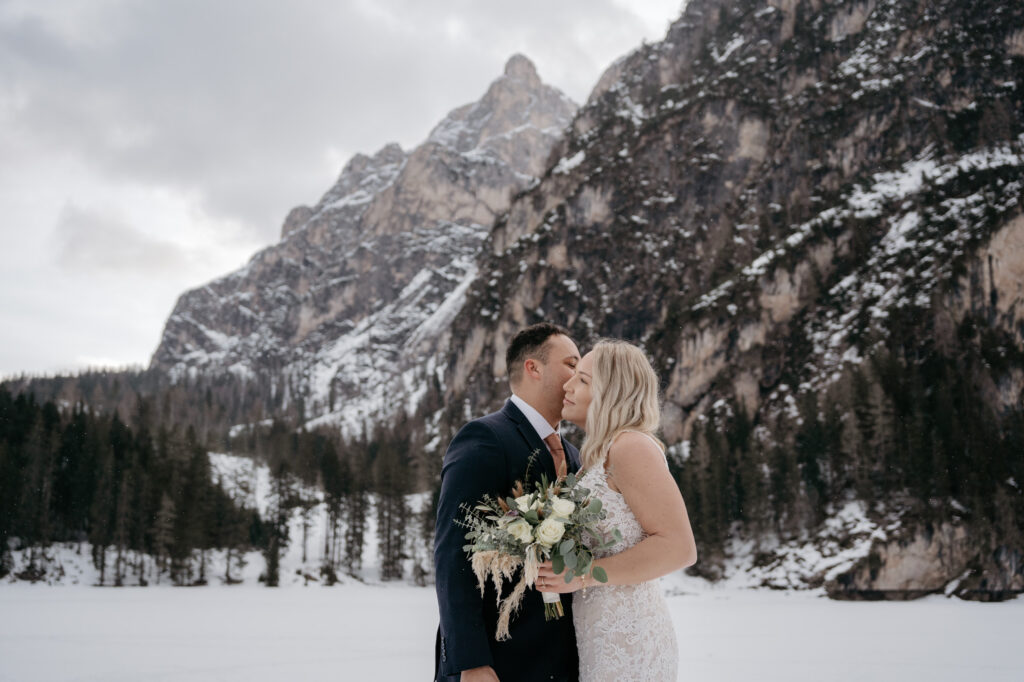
(539, 423)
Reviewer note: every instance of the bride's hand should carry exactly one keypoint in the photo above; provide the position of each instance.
(549, 581)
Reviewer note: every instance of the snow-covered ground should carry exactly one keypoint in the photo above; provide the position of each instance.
(366, 629)
(254, 634)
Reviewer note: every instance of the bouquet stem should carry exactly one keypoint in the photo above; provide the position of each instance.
(552, 605)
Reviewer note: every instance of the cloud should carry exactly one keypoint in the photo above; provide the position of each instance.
(92, 242)
(164, 142)
(238, 102)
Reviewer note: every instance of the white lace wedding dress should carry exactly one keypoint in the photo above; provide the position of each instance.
(623, 632)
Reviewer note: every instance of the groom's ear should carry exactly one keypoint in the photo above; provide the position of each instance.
(531, 368)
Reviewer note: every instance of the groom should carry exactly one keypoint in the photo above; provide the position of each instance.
(488, 456)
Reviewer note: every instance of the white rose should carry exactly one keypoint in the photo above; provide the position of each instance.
(520, 529)
(550, 531)
(563, 508)
(523, 502)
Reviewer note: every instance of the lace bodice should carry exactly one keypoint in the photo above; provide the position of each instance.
(624, 632)
(618, 513)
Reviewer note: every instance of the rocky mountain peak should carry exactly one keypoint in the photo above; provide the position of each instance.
(517, 110)
(389, 153)
(519, 67)
(378, 266)
(360, 179)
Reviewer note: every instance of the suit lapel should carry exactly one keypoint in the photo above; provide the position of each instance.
(531, 441)
(534, 443)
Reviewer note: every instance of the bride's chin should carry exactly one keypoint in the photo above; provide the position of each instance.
(569, 418)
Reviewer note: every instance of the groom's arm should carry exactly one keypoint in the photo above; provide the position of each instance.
(473, 466)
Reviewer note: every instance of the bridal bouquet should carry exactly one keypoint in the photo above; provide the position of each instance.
(527, 528)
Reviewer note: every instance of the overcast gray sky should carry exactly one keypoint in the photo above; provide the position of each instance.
(147, 146)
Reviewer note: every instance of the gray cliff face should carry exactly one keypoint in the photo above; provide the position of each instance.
(775, 201)
(365, 277)
(765, 169)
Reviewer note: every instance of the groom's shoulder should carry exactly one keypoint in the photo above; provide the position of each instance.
(493, 426)
(497, 421)
(487, 434)
(496, 418)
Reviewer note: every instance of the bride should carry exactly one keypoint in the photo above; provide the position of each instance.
(623, 628)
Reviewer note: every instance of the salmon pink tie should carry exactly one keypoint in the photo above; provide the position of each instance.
(554, 444)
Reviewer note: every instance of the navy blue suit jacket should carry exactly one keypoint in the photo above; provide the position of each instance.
(487, 456)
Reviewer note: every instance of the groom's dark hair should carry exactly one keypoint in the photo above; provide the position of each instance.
(529, 343)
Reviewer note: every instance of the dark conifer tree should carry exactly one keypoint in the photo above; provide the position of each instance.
(280, 504)
(812, 448)
(103, 503)
(392, 485)
(334, 493)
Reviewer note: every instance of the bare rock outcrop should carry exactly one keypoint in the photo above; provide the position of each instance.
(364, 284)
(933, 559)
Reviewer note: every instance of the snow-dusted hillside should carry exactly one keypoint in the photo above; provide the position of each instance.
(810, 216)
(347, 310)
(801, 564)
(72, 563)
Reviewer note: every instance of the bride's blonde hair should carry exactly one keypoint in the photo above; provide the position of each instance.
(624, 397)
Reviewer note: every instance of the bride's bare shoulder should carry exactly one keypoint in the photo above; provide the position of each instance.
(635, 447)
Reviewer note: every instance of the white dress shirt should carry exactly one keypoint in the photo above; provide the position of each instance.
(539, 423)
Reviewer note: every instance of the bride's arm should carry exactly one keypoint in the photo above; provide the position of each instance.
(644, 480)
(639, 472)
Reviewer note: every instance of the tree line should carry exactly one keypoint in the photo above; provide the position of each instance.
(913, 427)
(142, 493)
(143, 497)
(211, 403)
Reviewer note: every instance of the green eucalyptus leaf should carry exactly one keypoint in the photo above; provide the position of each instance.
(566, 546)
(557, 564)
(599, 574)
(570, 560)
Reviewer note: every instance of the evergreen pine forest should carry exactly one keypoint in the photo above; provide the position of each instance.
(909, 428)
(141, 493)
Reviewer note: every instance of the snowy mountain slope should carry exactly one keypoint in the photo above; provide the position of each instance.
(752, 146)
(810, 215)
(364, 284)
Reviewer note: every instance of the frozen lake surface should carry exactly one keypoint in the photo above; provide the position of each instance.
(253, 634)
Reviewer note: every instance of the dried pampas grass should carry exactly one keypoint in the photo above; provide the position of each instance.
(499, 568)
